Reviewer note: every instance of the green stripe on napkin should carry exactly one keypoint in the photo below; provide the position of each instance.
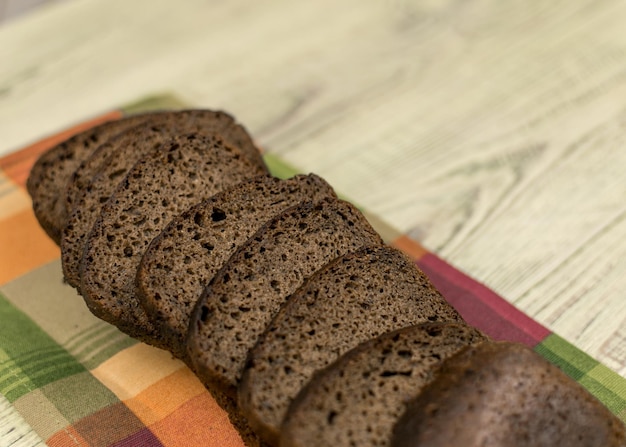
(604, 383)
(30, 358)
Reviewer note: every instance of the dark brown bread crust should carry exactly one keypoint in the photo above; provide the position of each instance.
(248, 291)
(117, 151)
(505, 395)
(187, 170)
(52, 171)
(357, 399)
(115, 157)
(354, 298)
(181, 261)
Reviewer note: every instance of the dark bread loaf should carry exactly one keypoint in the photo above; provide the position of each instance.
(354, 298)
(52, 171)
(125, 150)
(248, 291)
(181, 261)
(115, 157)
(187, 169)
(505, 395)
(357, 399)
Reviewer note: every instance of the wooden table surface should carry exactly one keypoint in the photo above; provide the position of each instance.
(493, 132)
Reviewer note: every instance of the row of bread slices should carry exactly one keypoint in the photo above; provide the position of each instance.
(282, 297)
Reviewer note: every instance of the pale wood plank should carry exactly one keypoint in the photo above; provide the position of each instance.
(14, 430)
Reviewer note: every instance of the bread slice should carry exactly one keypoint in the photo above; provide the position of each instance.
(53, 169)
(181, 261)
(505, 394)
(187, 170)
(118, 155)
(357, 399)
(356, 297)
(121, 152)
(248, 291)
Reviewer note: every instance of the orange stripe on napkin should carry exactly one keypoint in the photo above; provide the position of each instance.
(18, 164)
(13, 199)
(24, 246)
(68, 437)
(199, 422)
(412, 248)
(166, 396)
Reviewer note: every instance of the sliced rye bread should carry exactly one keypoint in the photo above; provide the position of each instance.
(357, 399)
(505, 394)
(54, 168)
(248, 291)
(181, 261)
(187, 170)
(123, 152)
(354, 298)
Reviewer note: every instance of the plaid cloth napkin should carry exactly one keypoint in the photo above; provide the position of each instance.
(78, 381)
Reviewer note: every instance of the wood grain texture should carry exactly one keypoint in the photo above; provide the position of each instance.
(14, 430)
(493, 132)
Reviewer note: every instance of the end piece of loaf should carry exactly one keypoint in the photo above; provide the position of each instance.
(358, 399)
(504, 394)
